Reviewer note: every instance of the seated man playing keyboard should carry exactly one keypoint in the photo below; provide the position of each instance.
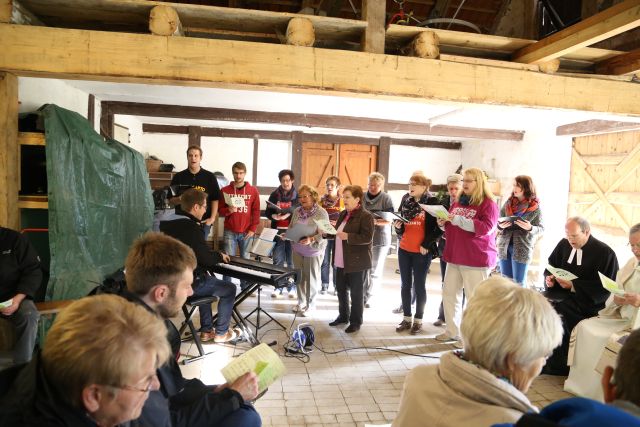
(186, 228)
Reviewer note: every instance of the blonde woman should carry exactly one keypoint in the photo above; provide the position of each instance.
(470, 251)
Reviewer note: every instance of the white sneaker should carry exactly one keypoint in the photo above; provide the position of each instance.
(292, 295)
(275, 294)
(284, 293)
(446, 338)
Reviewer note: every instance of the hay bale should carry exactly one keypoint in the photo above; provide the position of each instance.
(300, 32)
(549, 67)
(164, 21)
(424, 45)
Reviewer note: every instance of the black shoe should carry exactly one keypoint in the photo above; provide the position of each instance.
(367, 305)
(352, 328)
(338, 321)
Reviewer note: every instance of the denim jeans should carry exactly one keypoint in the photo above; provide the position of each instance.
(282, 254)
(233, 241)
(327, 264)
(413, 273)
(25, 324)
(226, 292)
(513, 269)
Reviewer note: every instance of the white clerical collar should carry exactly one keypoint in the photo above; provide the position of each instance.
(573, 253)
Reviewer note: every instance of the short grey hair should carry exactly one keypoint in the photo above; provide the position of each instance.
(503, 319)
(454, 178)
(634, 229)
(376, 176)
(581, 221)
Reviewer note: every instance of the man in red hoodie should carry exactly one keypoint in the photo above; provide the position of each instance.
(240, 206)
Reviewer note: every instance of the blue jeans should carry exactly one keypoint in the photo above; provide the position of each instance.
(233, 241)
(327, 264)
(513, 269)
(413, 273)
(226, 292)
(206, 229)
(282, 254)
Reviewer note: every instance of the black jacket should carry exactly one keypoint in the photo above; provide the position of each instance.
(186, 228)
(432, 232)
(19, 265)
(27, 399)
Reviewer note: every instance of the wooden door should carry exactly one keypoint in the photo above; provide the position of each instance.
(605, 179)
(355, 163)
(319, 161)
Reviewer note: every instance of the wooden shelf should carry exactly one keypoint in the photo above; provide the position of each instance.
(33, 202)
(160, 180)
(31, 138)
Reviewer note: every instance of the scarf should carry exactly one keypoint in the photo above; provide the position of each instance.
(304, 214)
(284, 196)
(327, 202)
(410, 208)
(519, 208)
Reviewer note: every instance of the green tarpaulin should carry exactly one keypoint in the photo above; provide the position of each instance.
(99, 202)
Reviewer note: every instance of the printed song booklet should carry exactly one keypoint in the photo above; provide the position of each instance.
(610, 285)
(560, 273)
(260, 359)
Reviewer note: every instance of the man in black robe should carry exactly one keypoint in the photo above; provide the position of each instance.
(583, 255)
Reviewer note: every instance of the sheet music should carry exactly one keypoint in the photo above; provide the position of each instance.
(6, 303)
(263, 245)
(560, 273)
(325, 226)
(437, 211)
(300, 231)
(260, 359)
(610, 285)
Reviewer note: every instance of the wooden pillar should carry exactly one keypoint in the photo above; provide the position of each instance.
(383, 156)
(91, 111)
(9, 152)
(195, 136)
(106, 120)
(6, 7)
(254, 172)
(373, 11)
(296, 155)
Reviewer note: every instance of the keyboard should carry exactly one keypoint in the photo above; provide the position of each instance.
(255, 271)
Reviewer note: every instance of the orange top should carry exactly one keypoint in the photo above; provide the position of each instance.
(413, 235)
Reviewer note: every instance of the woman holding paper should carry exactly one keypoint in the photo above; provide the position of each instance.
(589, 338)
(352, 257)
(418, 240)
(309, 249)
(333, 204)
(470, 252)
(517, 238)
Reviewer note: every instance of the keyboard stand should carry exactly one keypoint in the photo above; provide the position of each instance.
(237, 317)
(259, 310)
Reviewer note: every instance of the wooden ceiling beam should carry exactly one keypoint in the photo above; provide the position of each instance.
(627, 63)
(308, 120)
(185, 61)
(601, 26)
(593, 127)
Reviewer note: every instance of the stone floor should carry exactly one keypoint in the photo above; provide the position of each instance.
(346, 381)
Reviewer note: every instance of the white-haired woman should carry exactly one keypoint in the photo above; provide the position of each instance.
(508, 332)
(591, 335)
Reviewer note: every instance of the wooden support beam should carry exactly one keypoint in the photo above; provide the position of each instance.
(9, 152)
(108, 56)
(384, 154)
(594, 127)
(622, 199)
(91, 110)
(296, 154)
(12, 11)
(106, 120)
(6, 8)
(195, 136)
(604, 160)
(254, 169)
(627, 63)
(373, 11)
(310, 121)
(608, 23)
(165, 21)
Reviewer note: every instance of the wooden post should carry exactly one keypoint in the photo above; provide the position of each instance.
(425, 45)
(383, 156)
(373, 11)
(106, 120)
(254, 172)
(6, 8)
(9, 152)
(195, 136)
(296, 155)
(300, 32)
(164, 21)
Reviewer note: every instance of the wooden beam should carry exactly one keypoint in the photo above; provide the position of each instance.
(296, 155)
(6, 8)
(608, 23)
(426, 144)
(217, 132)
(254, 171)
(384, 154)
(622, 199)
(195, 135)
(91, 110)
(373, 11)
(627, 63)
(594, 127)
(310, 121)
(9, 152)
(106, 120)
(108, 56)
(604, 159)
(31, 138)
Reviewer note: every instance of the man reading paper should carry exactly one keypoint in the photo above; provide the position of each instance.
(583, 255)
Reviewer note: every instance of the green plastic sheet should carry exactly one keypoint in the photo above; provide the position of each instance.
(99, 203)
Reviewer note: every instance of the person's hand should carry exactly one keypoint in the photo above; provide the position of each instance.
(397, 223)
(524, 224)
(225, 258)
(246, 385)
(505, 224)
(233, 209)
(441, 222)
(632, 299)
(619, 300)
(423, 251)
(15, 304)
(381, 222)
(249, 234)
(333, 222)
(276, 216)
(342, 235)
(305, 241)
(550, 281)
(566, 284)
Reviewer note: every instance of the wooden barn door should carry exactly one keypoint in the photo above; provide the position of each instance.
(319, 161)
(605, 179)
(356, 162)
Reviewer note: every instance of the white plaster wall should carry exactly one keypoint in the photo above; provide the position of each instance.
(34, 92)
(541, 155)
(273, 156)
(436, 163)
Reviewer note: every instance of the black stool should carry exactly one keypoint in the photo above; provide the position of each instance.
(189, 309)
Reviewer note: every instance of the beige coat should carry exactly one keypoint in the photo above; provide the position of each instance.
(458, 393)
(613, 310)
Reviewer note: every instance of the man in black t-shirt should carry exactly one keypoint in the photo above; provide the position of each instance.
(201, 179)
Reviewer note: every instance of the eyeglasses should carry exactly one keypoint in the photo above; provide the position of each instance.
(634, 245)
(149, 385)
(467, 181)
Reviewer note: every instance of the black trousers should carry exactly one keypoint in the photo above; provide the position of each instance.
(351, 283)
